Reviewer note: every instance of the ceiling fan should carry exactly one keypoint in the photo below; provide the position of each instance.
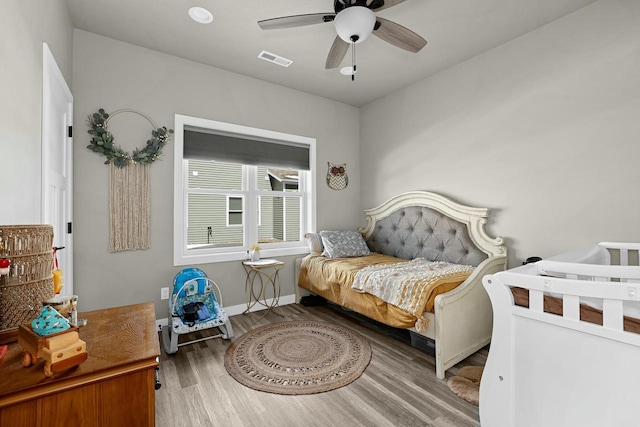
(354, 20)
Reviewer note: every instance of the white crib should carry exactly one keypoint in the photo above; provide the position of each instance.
(549, 370)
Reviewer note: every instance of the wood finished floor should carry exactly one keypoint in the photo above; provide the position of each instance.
(398, 388)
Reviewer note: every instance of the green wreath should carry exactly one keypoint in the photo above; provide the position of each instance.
(102, 141)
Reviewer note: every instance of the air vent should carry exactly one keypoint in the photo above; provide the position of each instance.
(276, 59)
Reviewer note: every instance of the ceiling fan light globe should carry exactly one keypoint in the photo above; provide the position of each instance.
(355, 21)
(347, 71)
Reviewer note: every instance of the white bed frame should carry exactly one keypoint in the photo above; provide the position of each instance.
(462, 320)
(549, 370)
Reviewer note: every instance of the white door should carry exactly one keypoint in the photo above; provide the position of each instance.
(57, 156)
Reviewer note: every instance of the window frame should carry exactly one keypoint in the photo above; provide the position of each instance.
(307, 187)
(230, 211)
(259, 211)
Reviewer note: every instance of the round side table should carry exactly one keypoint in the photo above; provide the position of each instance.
(261, 275)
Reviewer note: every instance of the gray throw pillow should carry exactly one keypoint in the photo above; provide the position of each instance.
(343, 244)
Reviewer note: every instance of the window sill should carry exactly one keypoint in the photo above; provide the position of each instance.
(239, 255)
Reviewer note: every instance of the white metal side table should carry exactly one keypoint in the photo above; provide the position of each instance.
(262, 275)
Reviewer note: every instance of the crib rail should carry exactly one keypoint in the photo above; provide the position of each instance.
(607, 296)
(622, 273)
(606, 261)
(625, 251)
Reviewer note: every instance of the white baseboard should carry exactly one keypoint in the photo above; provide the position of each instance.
(235, 310)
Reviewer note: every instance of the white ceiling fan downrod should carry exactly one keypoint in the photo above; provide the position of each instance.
(354, 39)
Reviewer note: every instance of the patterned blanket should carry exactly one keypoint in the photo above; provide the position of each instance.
(409, 285)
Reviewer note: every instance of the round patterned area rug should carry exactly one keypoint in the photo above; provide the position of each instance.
(300, 357)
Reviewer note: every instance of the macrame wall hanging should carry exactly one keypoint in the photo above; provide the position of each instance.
(129, 191)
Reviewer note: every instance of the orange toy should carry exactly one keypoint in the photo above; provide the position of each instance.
(57, 273)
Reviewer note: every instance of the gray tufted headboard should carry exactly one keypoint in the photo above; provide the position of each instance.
(424, 224)
(418, 231)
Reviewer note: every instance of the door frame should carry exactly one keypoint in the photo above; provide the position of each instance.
(51, 75)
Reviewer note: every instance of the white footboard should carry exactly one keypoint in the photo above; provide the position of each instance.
(463, 318)
(549, 370)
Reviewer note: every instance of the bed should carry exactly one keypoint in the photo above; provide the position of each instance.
(567, 354)
(415, 225)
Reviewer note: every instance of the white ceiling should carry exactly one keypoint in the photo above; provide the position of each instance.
(456, 30)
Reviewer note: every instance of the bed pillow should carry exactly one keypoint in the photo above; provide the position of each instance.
(315, 242)
(343, 244)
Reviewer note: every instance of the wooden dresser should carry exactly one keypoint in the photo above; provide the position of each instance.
(115, 386)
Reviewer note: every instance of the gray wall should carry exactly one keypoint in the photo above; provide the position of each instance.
(26, 24)
(114, 75)
(545, 130)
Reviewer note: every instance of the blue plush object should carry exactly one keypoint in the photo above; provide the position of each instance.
(49, 321)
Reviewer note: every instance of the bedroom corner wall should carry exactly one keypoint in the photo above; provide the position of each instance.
(112, 75)
(544, 130)
(25, 25)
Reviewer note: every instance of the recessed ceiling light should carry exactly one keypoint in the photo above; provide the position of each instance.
(201, 15)
(347, 71)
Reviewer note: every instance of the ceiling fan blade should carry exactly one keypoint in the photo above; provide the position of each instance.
(337, 52)
(296, 21)
(399, 36)
(377, 5)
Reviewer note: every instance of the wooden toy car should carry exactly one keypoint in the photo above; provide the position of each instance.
(60, 351)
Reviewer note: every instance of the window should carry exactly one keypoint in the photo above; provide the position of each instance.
(234, 211)
(236, 186)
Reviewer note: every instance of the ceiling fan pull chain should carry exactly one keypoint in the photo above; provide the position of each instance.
(353, 61)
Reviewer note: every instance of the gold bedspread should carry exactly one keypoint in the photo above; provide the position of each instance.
(332, 278)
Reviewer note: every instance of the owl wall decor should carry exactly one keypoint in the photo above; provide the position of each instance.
(337, 178)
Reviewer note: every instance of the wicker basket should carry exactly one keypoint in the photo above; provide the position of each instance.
(22, 302)
(29, 283)
(25, 239)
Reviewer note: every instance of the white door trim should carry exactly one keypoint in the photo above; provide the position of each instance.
(51, 75)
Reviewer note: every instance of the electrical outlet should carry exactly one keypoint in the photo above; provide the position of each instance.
(164, 293)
